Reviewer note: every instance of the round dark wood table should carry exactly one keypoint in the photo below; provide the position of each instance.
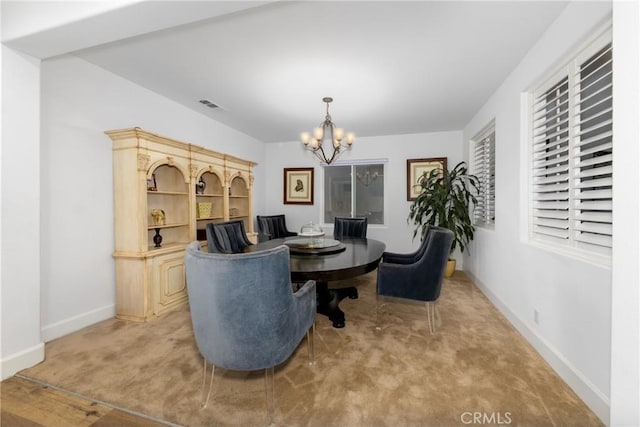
(359, 256)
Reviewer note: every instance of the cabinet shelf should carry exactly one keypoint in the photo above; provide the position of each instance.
(210, 218)
(169, 247)
(168, 193)
(238, 197)
(179, 224)
(209, 195)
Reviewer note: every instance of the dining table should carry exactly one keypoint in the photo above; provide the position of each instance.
(325, 260)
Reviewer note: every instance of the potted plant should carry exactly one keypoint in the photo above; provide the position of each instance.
(445, 200)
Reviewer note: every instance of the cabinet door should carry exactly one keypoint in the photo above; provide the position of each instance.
(132, 289)
(170, 285)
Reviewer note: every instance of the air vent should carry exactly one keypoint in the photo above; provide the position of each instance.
(208, 103)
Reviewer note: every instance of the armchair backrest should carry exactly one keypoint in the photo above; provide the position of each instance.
(273, 226)
(418, 275)
(423, 245)
(242, 307)
(430, 267)
(349, 227)
(227, 237)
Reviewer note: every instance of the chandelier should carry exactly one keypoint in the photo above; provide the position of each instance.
(314, 141)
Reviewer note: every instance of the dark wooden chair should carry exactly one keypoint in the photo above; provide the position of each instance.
(227, 237)
(349, 227)
(272, 227)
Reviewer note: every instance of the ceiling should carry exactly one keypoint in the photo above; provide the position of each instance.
(391, 67)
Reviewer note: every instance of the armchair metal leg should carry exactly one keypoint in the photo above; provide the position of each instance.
(312, 351)
(378, 313)
(269, 389)
(431, 318)
(203, 401)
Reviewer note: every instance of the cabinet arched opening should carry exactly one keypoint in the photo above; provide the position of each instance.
(209, 200)
(167, 207)
(239, 185)
(214, 182)
(176, 175)
(239, 204)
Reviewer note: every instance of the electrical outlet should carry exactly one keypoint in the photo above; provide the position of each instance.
(536, 316)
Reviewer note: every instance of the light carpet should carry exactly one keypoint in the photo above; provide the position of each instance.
(476, 367)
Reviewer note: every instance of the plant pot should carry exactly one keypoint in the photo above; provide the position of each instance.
(451, 267)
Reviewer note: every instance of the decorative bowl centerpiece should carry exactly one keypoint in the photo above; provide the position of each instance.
(313, 232)
(311, 241)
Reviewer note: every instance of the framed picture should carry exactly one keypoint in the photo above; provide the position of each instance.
(298, 186)
(151, 183)
(416, 168)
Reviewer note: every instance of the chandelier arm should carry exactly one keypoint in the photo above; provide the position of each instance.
(336, 154)
(333, 155)
(330, 126)
(321, 158)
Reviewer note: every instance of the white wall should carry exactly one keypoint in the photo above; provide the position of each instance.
(396, 232)
(20, 224)
(79, 102)
(572, 296)
(625, 296)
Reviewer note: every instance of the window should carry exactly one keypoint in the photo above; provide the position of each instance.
(572, 168)
(483, 151)
(354, 190)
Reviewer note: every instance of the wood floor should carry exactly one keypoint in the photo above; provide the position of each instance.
(25, 403)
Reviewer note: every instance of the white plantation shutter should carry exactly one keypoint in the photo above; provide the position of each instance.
(551, 161)
(593, 152)
(484, 169)
(572, 171)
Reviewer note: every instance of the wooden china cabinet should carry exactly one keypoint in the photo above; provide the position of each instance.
(165, 193)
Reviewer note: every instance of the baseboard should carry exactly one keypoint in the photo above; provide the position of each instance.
(585, 389)
(75, 323)
(21, 360)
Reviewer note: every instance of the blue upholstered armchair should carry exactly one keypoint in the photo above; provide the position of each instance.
(418, 275)
(227, 237)
(245, 315)
(272, 227)
(349, 227)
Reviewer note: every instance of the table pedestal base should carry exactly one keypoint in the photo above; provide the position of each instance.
(328, 300)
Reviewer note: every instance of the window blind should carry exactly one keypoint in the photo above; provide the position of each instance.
(572, 147)
(593, 154)
(551, 161)
(484, 170)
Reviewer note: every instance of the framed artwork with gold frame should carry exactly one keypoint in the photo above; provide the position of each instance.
(418, 167)
(298, 186)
